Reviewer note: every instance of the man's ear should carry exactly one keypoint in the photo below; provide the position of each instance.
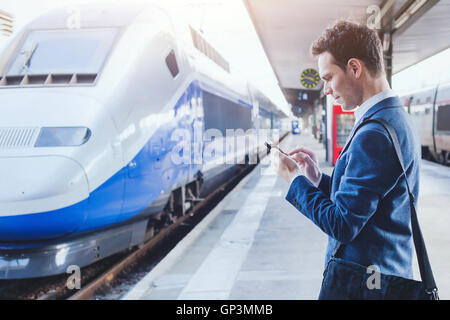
(355, 67)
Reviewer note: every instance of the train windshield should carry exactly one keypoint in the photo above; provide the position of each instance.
(81, 51)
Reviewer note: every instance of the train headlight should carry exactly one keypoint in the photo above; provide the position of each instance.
(62, 136)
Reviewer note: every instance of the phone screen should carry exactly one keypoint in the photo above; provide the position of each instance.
(269, 146)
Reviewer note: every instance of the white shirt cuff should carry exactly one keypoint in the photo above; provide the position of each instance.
(318, 181)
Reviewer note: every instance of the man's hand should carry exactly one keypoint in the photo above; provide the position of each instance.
(307, 161)
(284, 166)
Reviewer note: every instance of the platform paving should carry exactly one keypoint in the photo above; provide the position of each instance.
(255, 245)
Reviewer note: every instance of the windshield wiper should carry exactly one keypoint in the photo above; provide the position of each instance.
(29, 55)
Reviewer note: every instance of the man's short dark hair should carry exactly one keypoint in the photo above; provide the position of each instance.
(346, 40)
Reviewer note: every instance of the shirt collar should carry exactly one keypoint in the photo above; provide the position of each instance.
(373, 100)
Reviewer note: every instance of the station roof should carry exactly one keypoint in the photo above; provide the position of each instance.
(424, 36)
(286, 28)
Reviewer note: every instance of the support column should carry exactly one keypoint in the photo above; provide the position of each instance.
(387, 54)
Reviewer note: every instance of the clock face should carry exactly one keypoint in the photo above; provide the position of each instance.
(310, 78)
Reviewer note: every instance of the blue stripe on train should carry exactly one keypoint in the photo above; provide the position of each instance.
(125, 194)
(128, 192)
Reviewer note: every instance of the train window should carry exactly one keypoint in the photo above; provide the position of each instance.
(172, 64)
(264, 113)
(63, 52)
(222, 114)
(443, 118)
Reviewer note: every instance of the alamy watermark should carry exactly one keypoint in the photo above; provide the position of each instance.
(236, 146)
(74, 280)
(73, 20)
(374, 19)
(374, 281)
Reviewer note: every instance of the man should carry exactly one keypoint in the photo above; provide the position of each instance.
(365, 206)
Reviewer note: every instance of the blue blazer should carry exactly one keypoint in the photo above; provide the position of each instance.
(366, 206)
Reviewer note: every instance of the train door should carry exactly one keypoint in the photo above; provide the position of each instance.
(442, 125)
(151, 173)
(197, 130)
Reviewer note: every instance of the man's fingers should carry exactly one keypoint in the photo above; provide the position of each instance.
(299, 156)
(303, 157)
(302, 149)
(308, 152)
(279, 154)
(275, 152)
(276, 156)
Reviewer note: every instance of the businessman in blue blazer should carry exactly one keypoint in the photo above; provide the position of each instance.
(364, 205)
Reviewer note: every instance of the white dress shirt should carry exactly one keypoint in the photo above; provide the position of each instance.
(373, 100)
(361, 111)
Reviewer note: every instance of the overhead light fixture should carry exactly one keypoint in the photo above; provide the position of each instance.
(412, 9)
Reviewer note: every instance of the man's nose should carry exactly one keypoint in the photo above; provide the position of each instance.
(327, 90)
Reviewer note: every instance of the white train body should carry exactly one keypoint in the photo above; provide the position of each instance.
(430, 111)
(89, 119)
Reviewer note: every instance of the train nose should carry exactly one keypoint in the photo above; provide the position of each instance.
(41, 197)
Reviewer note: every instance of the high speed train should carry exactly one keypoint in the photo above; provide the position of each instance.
(430, 111)
(109, 125)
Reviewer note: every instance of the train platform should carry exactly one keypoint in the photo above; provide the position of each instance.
(254, 245)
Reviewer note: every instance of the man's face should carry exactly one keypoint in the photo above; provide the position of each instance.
(342, 85)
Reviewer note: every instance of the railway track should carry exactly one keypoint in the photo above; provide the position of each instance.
(104, 272)
(193, 216)
(100, 275)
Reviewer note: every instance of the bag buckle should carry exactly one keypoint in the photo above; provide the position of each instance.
(433, 293)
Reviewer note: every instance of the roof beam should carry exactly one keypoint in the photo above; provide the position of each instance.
(409, 14)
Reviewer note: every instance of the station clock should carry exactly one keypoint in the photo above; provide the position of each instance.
(310, 78)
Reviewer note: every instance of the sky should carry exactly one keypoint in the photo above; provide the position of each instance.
(227, 26)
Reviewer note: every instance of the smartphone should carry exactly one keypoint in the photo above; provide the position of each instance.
(269, 146)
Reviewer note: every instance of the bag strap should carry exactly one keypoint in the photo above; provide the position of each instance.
(421, 252)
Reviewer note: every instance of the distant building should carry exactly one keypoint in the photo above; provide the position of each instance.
(6, 23)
